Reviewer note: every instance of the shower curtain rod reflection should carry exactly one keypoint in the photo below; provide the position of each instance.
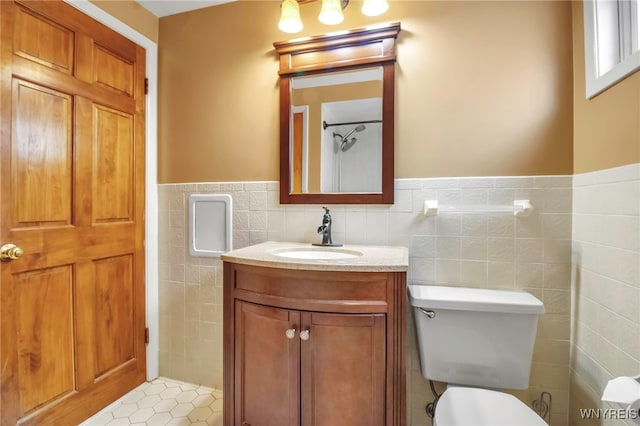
(325, 124)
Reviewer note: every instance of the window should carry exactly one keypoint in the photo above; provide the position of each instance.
(612, 42)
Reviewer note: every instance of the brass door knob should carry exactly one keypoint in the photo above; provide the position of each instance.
(10, 252)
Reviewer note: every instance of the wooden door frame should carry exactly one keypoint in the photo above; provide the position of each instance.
(151, 180)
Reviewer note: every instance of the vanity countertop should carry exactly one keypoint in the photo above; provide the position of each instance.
(369, 258)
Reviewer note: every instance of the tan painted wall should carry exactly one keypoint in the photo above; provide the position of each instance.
(607, 127)
(132, 14)
(482, 88)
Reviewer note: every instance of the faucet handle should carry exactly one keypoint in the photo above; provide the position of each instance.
(325, 230)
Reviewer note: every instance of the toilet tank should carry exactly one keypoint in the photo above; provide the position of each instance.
(475, 337)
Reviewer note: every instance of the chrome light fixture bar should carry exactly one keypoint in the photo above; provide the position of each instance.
(330, 12)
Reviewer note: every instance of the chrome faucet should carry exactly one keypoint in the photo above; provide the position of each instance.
(325, 230)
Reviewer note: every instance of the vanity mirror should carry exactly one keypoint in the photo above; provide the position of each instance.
(337, 117)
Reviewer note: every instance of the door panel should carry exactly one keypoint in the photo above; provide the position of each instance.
(42, 167)
(345, 385)
(43, 41)
(45, 336)
(267, 363)
(113, 159)
(113, 71)
(114, 293)
(72, 308)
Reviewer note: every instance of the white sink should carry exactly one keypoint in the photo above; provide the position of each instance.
(320, 253)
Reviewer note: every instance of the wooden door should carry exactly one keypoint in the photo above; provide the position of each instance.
(72, 198)
(343, 369)
(267, 362)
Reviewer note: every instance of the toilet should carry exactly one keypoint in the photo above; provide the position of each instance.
(478, 341)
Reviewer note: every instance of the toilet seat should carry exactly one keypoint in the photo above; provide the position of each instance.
(460, 406)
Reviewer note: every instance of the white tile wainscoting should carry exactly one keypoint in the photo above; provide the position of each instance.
(494, 250)
(606, 285)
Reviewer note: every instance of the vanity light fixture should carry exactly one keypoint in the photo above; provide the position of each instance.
(374, 7)
(290, 21)
(330, 12)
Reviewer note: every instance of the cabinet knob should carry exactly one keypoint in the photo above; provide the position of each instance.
(304, 335)
(290, 333)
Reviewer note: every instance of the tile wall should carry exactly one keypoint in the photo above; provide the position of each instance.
(487, 250)
(606, 285)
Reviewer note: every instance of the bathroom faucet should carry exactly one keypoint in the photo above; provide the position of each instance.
(325, 230)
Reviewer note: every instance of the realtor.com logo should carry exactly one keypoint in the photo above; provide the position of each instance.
(610, 414)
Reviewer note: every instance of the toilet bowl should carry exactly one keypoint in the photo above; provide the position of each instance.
(461, 406)
(480, 340)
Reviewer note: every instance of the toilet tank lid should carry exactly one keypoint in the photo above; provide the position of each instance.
(474, 299)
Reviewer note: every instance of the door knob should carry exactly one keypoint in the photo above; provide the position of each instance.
(304, 335)
(10, 252)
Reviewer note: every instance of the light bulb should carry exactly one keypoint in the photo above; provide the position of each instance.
(374, 7)
(290, 21)
(331, 12)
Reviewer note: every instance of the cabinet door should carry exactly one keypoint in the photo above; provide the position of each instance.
(343, 370)
(267, 363)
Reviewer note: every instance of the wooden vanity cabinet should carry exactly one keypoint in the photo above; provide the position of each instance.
(321, 348)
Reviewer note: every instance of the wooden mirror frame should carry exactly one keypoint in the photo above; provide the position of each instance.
(358, 48)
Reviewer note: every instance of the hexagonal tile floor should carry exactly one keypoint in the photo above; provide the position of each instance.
(163, 402)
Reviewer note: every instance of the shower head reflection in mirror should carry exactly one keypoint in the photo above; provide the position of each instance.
(343, 143)
(351, 157)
